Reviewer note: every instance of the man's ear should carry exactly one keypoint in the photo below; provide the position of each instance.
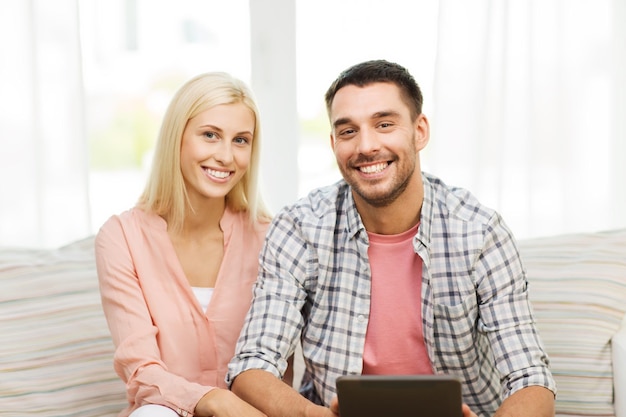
(422, 132)
(332, 141)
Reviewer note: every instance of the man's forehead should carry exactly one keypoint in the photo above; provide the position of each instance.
(372, 100)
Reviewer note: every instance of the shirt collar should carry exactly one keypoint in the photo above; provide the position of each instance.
(426, 216)
(355, 224)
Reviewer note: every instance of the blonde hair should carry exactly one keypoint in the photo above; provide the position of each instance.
(165, 193)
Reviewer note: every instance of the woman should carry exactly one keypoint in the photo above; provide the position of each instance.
(176, 271)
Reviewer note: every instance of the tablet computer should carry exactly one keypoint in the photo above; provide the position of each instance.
(399, 396)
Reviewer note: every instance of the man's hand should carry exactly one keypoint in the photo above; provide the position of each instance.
(467, 412)
(334, 406)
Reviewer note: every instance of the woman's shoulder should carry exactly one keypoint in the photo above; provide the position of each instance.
(241, 220)
(131, 221)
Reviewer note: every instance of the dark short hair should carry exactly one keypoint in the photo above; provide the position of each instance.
(375, 71)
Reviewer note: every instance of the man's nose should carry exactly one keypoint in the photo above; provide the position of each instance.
(368, 141)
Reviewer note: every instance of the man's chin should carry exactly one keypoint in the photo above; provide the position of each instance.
(374, 199)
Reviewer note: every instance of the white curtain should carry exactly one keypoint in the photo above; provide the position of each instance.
(526, 100)
(529, 110)
(43, 156)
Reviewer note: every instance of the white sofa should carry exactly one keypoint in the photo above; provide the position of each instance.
(56, 354)
(577, 285)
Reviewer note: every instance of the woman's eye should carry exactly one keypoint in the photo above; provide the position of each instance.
(210, 135)
(241, 140)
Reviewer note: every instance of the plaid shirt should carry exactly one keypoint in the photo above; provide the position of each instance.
(314, 282)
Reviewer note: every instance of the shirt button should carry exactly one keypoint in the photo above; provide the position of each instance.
(361, 318)
(185, 413)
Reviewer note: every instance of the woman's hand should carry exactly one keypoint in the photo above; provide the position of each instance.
(224, 403)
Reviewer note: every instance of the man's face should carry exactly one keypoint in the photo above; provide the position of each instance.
(375, 141)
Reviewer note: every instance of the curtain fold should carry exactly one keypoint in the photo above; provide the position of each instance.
(43, 159)
(526, 110)
(618, 113)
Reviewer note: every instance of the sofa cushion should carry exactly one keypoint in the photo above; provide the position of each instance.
(56, 352)
(577, 285)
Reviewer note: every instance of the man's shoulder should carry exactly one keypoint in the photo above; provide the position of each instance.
(454, 201)
(457, 222)
(316, 217)
(320, 202)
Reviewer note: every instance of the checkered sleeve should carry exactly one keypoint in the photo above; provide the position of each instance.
(274, 320)
(505, 312)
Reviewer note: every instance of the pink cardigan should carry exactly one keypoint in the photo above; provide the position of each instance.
(168, 350)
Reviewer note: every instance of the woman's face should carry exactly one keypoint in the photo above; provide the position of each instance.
(216, 150)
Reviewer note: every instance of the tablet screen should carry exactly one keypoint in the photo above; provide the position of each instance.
(399, 396)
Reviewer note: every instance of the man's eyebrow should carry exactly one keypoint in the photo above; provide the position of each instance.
(377, 115)
(385, 113)
(341, 121)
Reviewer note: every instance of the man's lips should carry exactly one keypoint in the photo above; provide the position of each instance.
(373, 168)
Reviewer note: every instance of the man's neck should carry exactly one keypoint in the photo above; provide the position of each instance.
(395, 218)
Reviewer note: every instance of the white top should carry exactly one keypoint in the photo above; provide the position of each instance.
(203, 294)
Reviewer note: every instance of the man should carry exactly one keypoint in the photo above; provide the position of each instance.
(389, 271)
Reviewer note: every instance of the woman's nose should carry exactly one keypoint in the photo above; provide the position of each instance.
(224, 152)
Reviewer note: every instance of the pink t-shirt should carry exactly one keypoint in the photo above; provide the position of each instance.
(394, 343)
(169, 350)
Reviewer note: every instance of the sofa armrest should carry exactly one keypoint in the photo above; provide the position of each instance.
(619, 370)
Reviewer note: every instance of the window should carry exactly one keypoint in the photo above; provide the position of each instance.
(136, 54)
